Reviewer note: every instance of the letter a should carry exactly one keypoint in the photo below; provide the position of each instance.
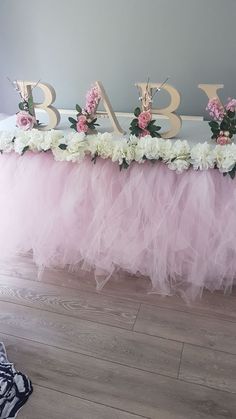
(108, 109)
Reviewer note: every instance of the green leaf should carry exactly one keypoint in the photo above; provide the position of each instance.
(63, 146)
(214, 124)
(31, 105)
(94, 158)
(231, 114)
(78, 108)
(124, 165)
(21, 106)
(232, 174)
(137, 111)
(25, 149)
(224, 125)
(72, 120)
(156, 134)
(134, 122)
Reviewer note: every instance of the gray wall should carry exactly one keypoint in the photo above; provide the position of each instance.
(70, 43)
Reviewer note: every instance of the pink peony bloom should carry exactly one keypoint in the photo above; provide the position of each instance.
(81, 125)
(223, 140)
(144, 118)
(25, 121)
(144, 133)
(231, 105)
(215, 109)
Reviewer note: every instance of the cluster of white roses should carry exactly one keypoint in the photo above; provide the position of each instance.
(73, 146)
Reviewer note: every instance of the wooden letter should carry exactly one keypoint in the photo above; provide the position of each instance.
(175, 120)
(108, 109)
(49, 97)
(211, 90)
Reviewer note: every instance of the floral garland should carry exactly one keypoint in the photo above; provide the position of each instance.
(177, 155)
(85, 119)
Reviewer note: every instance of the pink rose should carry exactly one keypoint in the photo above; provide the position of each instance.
(25, 121)
(144, 118)
(81, 125)
(223, 140)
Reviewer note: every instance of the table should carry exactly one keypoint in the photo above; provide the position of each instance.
(177, 229)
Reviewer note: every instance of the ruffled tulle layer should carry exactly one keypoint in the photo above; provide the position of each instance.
(179, 230)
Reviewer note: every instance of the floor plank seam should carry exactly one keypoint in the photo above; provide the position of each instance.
(206, 386)
(136, 318)
(180, 361)
(127, 330)
(204, 315)
(71, 316)
(110, 294)
(92, 401)
(91, 356)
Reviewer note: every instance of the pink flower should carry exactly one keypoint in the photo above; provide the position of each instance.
(144, 118)
(92, 99)
(144, 133)
(25, 121)
(223, 139)
(81, 125)
(231, 105)
(215, 109)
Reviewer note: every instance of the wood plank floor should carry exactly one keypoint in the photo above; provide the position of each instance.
(120, 353)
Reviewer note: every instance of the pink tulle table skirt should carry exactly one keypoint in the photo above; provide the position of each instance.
(179, 230)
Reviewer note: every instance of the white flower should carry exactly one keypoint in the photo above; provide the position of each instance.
(165, 149)
(76, 146)
(176, 155)
(225, 156)
(148, 147)
(180, 149)
(35, 139)
(21, 142)
(101, 145)
(202, 156)
(179, 165)
(6, 141)
(120, 151)
(50, 140)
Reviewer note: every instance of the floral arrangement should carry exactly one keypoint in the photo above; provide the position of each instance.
(143, 124)
(25, 118)
(74, 147)
(85, 119)
(223, 125)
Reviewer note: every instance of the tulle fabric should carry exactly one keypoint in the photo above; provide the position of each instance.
(179, 230)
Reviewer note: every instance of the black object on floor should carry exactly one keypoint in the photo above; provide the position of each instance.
(15, 387)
